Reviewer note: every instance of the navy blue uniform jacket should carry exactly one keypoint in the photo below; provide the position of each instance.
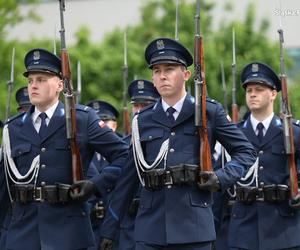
(181, 214)
(265, 225)
(61, 226)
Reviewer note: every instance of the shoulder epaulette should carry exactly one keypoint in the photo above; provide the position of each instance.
(15, 117)
(81, 107)
(296, 122)
(208, 99)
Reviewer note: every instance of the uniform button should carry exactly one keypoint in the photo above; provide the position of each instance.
(43, 166)
(150, 137)
(43, 149)
(19, 152)
(262, 183)
(83, 213)
(261, 152)
(43, 184)
(234, 215)
(172, 150)
(261, 168)
(205, 204)
(108, 190)
(172, 133)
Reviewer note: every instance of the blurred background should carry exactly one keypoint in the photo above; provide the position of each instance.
(95, 38)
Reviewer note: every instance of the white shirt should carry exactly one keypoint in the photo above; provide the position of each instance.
(266, 122)
(37, 120)
(178, 106)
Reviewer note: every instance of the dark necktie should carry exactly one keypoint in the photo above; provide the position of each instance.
(43, 127)
(260, 134)
(170, 113)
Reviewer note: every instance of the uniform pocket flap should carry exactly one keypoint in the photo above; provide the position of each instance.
(20, 149)
(152, 134)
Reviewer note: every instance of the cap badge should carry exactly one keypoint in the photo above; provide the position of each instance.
(96, 105)
(36, 55)
(160, 44)
(140, 85)
(255, 67)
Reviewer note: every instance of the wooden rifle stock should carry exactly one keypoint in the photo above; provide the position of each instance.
(126, 120)
(200, 97)
(235, 112)
(288, 133)
(70, 109)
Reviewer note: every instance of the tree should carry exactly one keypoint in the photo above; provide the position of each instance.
(102, 63)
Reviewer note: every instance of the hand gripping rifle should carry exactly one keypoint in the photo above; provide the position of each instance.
(70, 110)
(10, 84)
(234, 106)
(288, 134)
(200, 94)
(126, 121)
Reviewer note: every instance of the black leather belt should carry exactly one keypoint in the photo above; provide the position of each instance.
(274, 193)
(53, 194)
(183, 174)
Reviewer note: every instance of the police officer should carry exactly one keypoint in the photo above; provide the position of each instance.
(142, 93)
(262, 218)
(108, 115)
(22, 98)
(175, 210)
(48, 211)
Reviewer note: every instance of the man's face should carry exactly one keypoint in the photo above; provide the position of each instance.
(44, 89)
(138, 106)
(259, 97)
(169, 80)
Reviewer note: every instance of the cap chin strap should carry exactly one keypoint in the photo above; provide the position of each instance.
(138, 155)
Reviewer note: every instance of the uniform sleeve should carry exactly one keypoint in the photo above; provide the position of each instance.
(112, 147)
(237, 145)
(121, 198)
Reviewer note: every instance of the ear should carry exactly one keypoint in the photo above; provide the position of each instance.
(60, 85)
(186, 74)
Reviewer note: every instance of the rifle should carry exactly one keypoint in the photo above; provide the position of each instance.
(10, 83)
(234, 106)
(286, 116)
(70, 110)
(200, 96)
(126, 121)
(224, 87)
(78, 92)
(176, 21)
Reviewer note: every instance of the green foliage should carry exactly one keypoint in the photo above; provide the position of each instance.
(102, 63)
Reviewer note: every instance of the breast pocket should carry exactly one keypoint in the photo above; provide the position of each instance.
(278, 149)
(190, 140)
(62, 144)
(151, 141)
(20, 150)
(21, 154)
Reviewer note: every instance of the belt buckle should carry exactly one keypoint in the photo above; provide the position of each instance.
(168, 179)
(260, 195)
(100, 210)
(38, 194)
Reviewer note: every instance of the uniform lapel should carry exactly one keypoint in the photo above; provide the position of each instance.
(274, 129)
(26, 128)
(160, 116)
(249, 132)
(56, 122)
(188, 110)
